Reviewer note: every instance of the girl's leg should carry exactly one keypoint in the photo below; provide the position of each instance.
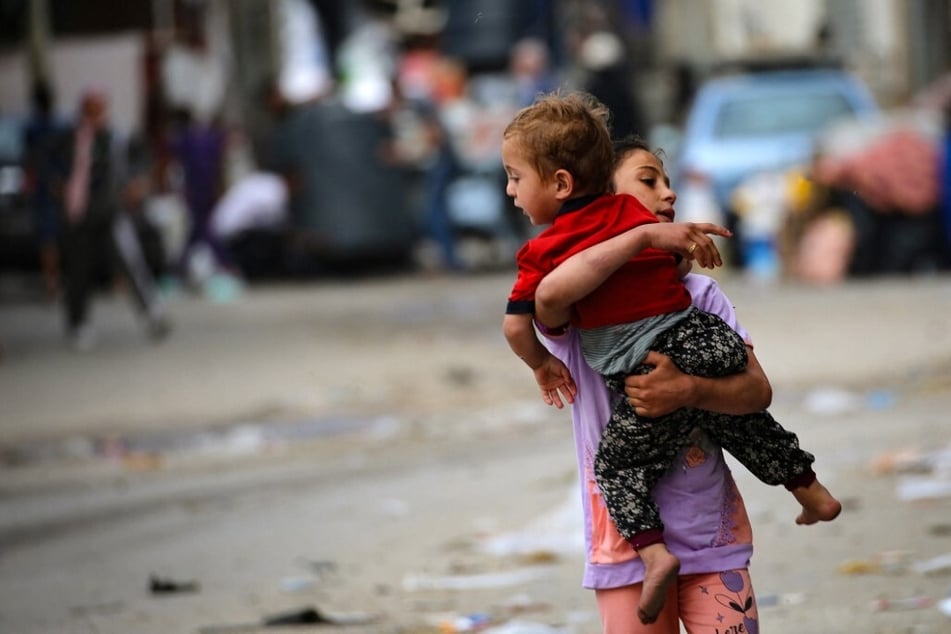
(718, 602)
(618, 610)
(633, 455)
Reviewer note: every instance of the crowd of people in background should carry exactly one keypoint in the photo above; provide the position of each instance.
(201, 203)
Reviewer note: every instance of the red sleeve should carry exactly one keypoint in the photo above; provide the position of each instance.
(530, 274)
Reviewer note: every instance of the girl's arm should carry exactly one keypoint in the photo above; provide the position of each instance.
(666, 389)
(585, 271)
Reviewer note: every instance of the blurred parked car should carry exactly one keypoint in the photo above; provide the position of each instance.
(17, 247)
(745, 125)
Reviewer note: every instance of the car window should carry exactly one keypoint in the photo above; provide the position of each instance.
(761, 115)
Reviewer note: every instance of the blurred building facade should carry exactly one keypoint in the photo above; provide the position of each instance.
(898, 46)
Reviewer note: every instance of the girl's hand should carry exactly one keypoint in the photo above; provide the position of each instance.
(689, 239)
(661, 391)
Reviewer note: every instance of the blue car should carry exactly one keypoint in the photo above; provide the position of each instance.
(754, 123)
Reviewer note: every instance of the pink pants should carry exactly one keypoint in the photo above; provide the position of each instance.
(714, 603)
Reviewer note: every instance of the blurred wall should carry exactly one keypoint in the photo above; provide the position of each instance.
(897, 46)
(113, 62)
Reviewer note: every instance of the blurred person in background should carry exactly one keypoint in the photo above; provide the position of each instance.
(138, 242)
(888, 186)
(87, 195)
(39, 136)
(94, 235)
(251, 220)
(530, 70)
(609, 78)
(423, 140)
(197, 148)
(444, 115)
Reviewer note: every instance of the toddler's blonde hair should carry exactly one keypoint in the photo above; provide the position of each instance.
(566, 130)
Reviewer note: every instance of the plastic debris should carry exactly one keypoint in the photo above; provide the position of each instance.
(311, 616)
(859, 567)
(914, 489)
(469, 623)
(831, 401)
(525, 627)
(935, 565)
(786, 598)
(303, 616)
(894, 561)
(889, 561)
(894, 605)
(880, 399)
(158, 585)
(899, 461)
(297, 583)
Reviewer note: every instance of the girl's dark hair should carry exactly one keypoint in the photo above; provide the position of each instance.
(628, 145)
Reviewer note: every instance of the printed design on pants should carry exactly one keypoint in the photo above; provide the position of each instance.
(740, 601)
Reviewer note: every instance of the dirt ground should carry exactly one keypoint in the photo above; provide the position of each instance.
(370, 448)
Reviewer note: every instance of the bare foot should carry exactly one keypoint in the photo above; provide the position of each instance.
(660, 570)
(818, 505)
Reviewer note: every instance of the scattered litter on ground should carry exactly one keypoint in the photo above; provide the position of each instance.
(830, 401)
(940, 530)
(913, 460)
(317, 566)
(311, 616)
(297, 583)
(859, 567)
(148, 450)
(935, 565)
(906, 460)
(919, 489)
(893, 605)
(303, 616)
(888, 562)
(880, 399)
(525, 627)
(469, 623)
(159, 585)
(785, 598)
(894, 561)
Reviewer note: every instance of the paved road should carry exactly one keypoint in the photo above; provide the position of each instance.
(382, 427)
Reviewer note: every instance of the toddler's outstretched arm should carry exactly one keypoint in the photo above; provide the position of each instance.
(585, 271)
(553, 378)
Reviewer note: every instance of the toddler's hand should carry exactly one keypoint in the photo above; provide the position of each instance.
(555, 382)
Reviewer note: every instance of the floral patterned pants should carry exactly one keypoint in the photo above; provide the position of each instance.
(635, 451)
